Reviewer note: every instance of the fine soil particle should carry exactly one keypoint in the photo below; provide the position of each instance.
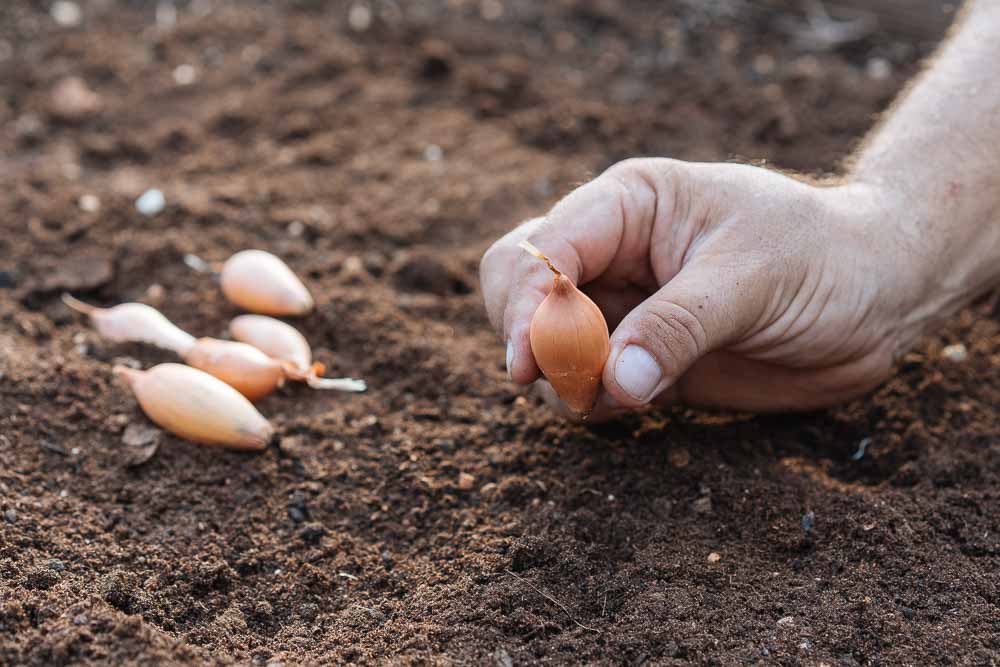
(442, 516)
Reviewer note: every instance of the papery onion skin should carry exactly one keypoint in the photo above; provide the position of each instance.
(133, 323)
(198, 407)
(274, 338)
(241, 366)
(570, 342)
(261, 283)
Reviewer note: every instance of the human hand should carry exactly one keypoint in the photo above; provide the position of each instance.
(724, 285)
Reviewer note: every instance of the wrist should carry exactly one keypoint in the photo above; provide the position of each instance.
(934, 248)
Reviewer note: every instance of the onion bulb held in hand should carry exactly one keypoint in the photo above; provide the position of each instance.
(197, 407)
(569, 339)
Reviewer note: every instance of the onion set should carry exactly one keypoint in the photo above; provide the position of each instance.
(569, 340)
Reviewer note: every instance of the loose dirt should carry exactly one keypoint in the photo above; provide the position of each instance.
(443, 516)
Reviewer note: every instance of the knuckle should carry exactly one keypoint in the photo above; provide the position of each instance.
(678, 329)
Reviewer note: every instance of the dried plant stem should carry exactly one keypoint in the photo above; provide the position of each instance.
(529, 247)
(546, 595)
(79, 306)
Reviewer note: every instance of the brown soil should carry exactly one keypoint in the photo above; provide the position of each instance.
(443, 517)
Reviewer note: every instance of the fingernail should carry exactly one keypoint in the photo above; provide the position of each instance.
(510, 359)
(637, 372)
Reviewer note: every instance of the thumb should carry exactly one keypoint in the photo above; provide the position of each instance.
(705, 306)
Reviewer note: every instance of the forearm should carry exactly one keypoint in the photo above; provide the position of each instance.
(936, 160)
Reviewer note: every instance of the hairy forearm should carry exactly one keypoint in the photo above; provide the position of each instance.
(936, 160)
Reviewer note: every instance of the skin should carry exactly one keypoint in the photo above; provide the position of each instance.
(749, 289)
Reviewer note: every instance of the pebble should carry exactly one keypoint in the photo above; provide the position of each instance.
(359, 17)
(878, 69)
(433, 153)
(150, 202)
(144, 441)
(491, 10)
(28, 128)
(10, 515)
(66, 14)
(89, 203)
(296, 228)
(56, 565)
(185, 75)
(466, 481)
(714, 557)
(786, 620)
(679, 457)
(702, 505)
(73, 100)
(764, 64)
(166, 15)
(957, 353)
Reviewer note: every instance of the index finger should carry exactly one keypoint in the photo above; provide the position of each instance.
(611, 215)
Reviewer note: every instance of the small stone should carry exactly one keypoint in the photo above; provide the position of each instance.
(764, 64)
(72, 100)
(166, 15)
(714, 557)
(67, 14)
(89, 203)
(10, 515)
(56, 565)
(140, 435)
(312, 533)
(957, 353)
(143, 441)
(488, 488)
(359, 17)
(878, 69)
(77, 273)
(155, 293)
(291, 445)
(150, 202)
(433, 153)
(28, 128)
(466, 481)
(296, 514)
(80, 619)
(296, 228)
(185, 75)
(702, 505)
(491, 10)
(805, 645)
(785, 620)
(679, 457)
